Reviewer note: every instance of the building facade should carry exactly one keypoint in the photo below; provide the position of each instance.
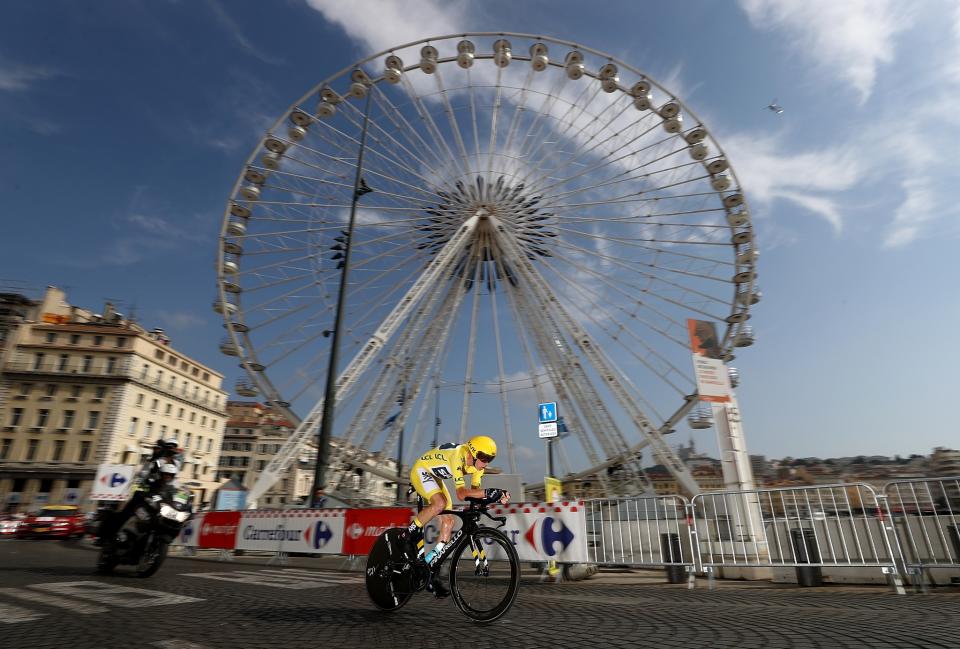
(80, 389)
(254, 434)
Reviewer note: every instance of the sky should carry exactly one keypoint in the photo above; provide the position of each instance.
(124, 126)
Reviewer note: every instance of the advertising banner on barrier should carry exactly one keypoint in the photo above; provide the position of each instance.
(219, 530)
(363, 526)
(314, 531)
(539, 531)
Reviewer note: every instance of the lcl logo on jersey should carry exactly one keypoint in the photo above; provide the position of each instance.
(549, 536)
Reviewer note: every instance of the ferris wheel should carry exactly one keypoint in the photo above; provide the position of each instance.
(535, 221)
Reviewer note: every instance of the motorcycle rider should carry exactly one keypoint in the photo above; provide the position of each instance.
(157, 476)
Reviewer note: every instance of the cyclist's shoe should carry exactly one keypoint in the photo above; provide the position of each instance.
(436, 587)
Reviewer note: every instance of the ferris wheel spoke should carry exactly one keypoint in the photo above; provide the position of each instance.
(617, 261)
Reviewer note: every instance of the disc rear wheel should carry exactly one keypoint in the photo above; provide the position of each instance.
(390, 572)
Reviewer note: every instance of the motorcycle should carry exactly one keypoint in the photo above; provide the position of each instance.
(144, 539)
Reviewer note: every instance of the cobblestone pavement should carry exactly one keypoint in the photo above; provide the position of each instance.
(51, 597)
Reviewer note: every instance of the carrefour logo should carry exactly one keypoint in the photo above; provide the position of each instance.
(549, 536)
(321, 533)
(113, 480)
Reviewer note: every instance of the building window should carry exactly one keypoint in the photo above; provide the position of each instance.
(193, 417)
(100, 391)
(74, 339)
(87, 363)
(16, 416)
(98, 340)
(158, 354)
(84, 451)
(209, 445)
(180, 414)
(203, 420)
(168, 409)
(76, 391)
(172, 360)
(42, 416)
(139, 399)
(121, 341)
(25, 389)
(93, 418)
(58, 450)
(186, 444)
(62, 363)
(163, 431)
(194, 372)
(51, 389)
(111, 364)
(5, 448)
(32, 449)
(148, 430)
(206, 376)
(68, 418)
(173, 383)
(38, 361)
(51, 337)
(196, 392)
(133, 426)
(143, 372)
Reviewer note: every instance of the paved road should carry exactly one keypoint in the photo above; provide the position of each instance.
(51, 597)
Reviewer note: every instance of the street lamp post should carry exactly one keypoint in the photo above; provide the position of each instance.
(329, 399)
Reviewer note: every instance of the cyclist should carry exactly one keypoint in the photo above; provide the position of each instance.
(449, 461)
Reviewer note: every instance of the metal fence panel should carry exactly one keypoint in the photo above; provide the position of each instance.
(843, 525)
(642, 532)
(926, 514)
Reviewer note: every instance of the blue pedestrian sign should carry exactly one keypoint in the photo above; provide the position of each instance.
(547, 412)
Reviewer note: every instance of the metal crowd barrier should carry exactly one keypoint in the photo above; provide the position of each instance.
(926, 515)
(840, 526)
(642, 532)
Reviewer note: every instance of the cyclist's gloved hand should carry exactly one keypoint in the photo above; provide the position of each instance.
(492, 495)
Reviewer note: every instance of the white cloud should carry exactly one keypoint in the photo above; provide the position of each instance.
(16, 76)
(917, 209)
(382, 24)
(811, 180)
(849, 39)
(231, 27)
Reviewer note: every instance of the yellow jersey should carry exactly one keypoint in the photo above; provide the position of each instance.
(447, 462)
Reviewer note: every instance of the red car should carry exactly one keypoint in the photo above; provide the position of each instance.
(53, 521)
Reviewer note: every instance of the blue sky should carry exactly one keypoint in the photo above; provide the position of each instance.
(123, 127)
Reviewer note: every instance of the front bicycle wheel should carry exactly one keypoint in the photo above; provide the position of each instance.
(485, 575)
(390, 579)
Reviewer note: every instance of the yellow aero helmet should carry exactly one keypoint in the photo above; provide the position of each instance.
(482, 448)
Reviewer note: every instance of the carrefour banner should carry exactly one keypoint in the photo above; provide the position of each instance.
(317, 531)
(539, 531)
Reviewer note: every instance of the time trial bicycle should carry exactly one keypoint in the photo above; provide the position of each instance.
(484, 567)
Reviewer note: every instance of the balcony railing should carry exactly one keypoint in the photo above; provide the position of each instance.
(117, 371)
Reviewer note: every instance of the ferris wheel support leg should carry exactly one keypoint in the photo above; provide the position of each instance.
(615, 379)
(560, 369)
(441, 264)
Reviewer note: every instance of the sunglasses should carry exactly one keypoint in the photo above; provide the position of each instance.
(483, 457)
